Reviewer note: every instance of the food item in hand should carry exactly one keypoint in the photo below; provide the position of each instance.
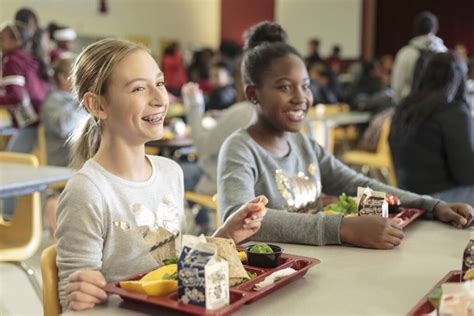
(261, 248)
(345, 205)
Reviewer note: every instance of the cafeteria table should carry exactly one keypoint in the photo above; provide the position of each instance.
(349, 280)
(19, 179)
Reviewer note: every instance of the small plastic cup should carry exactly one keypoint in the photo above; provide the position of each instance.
(264, 260)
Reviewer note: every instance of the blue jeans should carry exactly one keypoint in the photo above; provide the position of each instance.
(22, 142)
(460, 194)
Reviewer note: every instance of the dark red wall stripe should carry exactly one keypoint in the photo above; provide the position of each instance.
(238, 15)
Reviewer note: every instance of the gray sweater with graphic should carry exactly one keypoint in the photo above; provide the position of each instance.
(246, 170)
(101, 219)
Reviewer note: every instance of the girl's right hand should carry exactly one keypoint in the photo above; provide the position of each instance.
(371, 232)
(85, 289)
(191, 90)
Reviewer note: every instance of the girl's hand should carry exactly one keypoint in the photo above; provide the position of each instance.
(371, 232)
(245, 222)
(85, 289)
(191, 90)
(457, 214)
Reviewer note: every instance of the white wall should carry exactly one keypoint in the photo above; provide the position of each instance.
(191, 21)
(332, 21)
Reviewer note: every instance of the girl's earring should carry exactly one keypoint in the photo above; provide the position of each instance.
(254, 101)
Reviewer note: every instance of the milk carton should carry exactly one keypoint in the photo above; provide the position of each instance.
(203, 277)
(370, 202)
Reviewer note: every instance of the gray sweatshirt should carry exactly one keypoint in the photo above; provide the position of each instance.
(109, 224)
(209, 141)
(292, 185)
(405, 62)
(60, 116)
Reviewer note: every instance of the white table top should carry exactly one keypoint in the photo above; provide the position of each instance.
(349, 280)
(345, 118)
(18, 179)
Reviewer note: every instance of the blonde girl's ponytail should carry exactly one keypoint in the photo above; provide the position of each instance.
(85, 142)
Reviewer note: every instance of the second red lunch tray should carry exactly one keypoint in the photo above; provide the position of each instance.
(239, 295)
(408, 215)
(424, 306)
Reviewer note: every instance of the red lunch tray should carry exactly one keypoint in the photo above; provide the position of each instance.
(424, 306)
(408, 215)
(239, 295)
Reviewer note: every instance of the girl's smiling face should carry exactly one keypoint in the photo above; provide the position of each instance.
(136, 100)
(283, 95)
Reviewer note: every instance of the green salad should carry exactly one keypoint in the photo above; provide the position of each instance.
(261, 248)
(346, 205)
(170, 260)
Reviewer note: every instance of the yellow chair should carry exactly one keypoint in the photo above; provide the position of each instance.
(20, 238)
(204, 200)
(49, 273)
(381, 159)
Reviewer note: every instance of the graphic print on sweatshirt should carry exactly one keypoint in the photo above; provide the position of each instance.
(159, 228)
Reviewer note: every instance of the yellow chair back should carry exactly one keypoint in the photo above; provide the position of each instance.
(41, 149)
(381, 159)
(204, 200)
(20, 238)
(49, 274)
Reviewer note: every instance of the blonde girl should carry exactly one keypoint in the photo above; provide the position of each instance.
(122, 212)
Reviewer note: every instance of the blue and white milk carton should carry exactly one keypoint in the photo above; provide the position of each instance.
(203, 277)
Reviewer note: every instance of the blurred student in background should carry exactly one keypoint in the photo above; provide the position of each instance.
(36, 40)
(64, 38)
(424, 42)
(61, 115)
(23, 93)
(432, 134)
(173, 65)
(222, 87)
(24, 88)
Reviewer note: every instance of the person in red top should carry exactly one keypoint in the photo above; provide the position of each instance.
(172, 64)
(22, 90)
